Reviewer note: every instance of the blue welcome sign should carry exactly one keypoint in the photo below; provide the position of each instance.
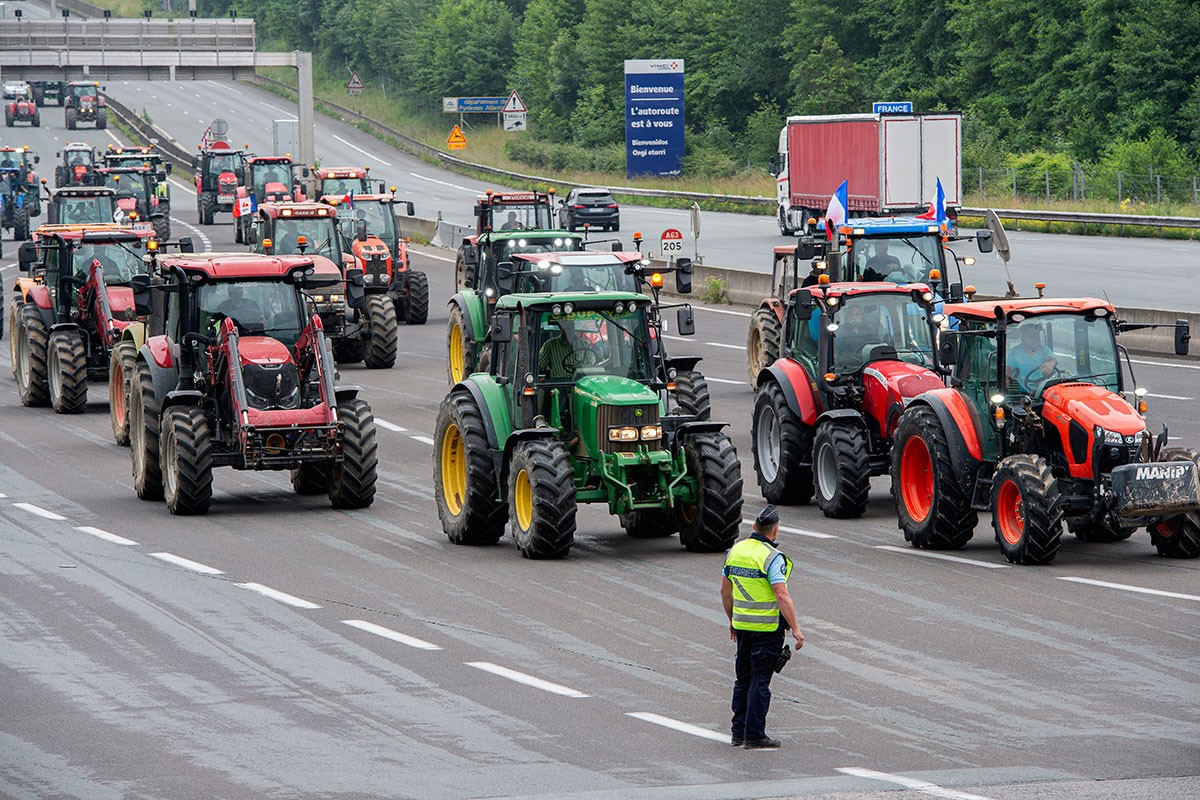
(654, 117)
(900, 107)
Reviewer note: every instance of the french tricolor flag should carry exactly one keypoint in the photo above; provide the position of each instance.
(836, 214)
(937, 205)
(348, 198)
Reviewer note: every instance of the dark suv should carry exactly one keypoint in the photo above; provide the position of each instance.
(593, 207)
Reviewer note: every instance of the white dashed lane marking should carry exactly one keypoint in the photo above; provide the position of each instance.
(388, 633)
(1135, 589)
(105, 535)
(391, 426)
(275, 594)
(908, 551)
(924, 787)
(187, 563)
(528, 680)
(676, 725)
(38, 511)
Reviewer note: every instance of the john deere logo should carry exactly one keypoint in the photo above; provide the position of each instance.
(637, 413)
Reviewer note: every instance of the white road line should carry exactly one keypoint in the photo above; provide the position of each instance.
(924, 787)
(181, 185)
(388, 633)
(113, 136)
(105, 535)
(38, 510)
(1167, 396)
(224, 87)
(726, 346)
(364, 152)
(797, 531)
(711, 379)
(1165, 364)
(731, 312)
(274, 594)
(447, 259)
(3, 496)
(676, 725)
(443, 183)
(383, 423)
(911, 551)
(194, 566)
(203, 236)
(528, 680)
(1138, 589)
(424, 439)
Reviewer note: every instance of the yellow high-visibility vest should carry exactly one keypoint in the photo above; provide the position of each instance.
(755, 607)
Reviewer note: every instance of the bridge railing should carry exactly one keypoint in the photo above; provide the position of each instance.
(74, 34)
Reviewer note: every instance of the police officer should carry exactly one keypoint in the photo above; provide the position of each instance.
(756, 600)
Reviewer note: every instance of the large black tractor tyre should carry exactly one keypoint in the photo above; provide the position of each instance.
(464, 273)
(541, 499)
(162, 228)
(842, 467)
(461, 347)
(144, 425)
(710, 525)
(416, 299)
(21, 224)
(37, 119)
(348, 351)
(30, 352)
(465, 484)
(238, 236)
(39, 95)
(352, 481)
(1027, 510)
(120, 373)
(691, 393)
(379, 351)
(934, 510)
(70, 116)
(311, 479)
(8, 116)
(66, 354)
(1087, 529)
(206, 205)
(60, 176)
(763, 341)
(102, 119)
(650, 524)
(186, 459)
(1178, 537)
(782, 447)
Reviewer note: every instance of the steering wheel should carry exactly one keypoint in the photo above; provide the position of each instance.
(1041, 384)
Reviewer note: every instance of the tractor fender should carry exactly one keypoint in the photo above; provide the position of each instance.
(700, 426)
(683, 363)
(514, 439)
(134, 332)
(38, 295)
(471, 306)
(797, 388)
(843, 416)
(157, 351)
(773, 304)
(165, 377)
(181, 397)
(348, 392)
(65, 326)
(962, 433)
(493, 407)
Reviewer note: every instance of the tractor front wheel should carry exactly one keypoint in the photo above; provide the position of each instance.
(1027, 510)
(650, 524)
(143, 434)
(762, 343)
(120, 370)
(206, 210)
(464, 478)
(841, 461)
(710, 523)
(379, 351)
(416, 299)
(21, 224)
(541, 499)
(352, 482)
(1179, 536)
(691, 393)
(29, 342)
(460, 347)
(1087, 529)
(934, 512)
(68, 372)
(782, 446)
(311, 479)
(186, 460)
(102, 119)
(162, 228)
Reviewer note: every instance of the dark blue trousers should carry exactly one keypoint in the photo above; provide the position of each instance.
(757, 652)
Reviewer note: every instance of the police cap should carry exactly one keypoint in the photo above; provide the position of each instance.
(767, 517)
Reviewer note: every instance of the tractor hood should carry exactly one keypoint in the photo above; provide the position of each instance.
(127, 204)
(263, 350)
(611, 390)
(1092, 406)
(905, 379)
(120, 301)
(274, 190)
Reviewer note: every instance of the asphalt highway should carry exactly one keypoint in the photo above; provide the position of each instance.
(278, 648)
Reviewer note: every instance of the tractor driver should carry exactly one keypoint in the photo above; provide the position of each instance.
(562, 352)
(880, 264)
(855, 333)
(1030, 362)
(512, 224)
(242, 309)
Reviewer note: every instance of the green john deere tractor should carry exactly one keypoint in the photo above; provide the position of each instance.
(571, 411)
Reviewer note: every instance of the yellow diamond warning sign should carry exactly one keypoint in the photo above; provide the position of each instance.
(456, 140)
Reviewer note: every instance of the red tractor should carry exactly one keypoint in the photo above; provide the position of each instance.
(236, 372)
(826, 412)
(219, 171)
(85, 103)
(22, 109)
(1039, 427)
(268, 180)
(70, 307)
(343, 181)
(78, 165)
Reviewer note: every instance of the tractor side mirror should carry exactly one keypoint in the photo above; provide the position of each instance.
(772, 166)
(195, 163)
(1183, 335)
(382, 188)
(804, 308)
(141, 294)
(806, 249)
(356, 295)
(408, 206)
(470, 254)
(948, 349)
(501, 328)
(617, 247)
(186, 246)
(37, 159)
(168, 167)
(984, 240)
(52, 214)
(685, 321)
(360, 230)
(27, 256)
(478, 211)
(683, 277)
(505, 275)
(956, 293)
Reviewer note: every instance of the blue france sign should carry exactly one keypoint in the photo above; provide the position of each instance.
(901, 107)
(654, 117)
(473, 105)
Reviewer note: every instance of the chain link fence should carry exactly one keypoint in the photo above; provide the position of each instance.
(1080, 184)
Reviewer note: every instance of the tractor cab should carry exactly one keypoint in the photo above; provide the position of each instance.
(78, 163)
(268, 180)
(19, 199)
(345, 181)
(515, 211)
(136, 198)
(899, 250)
(146, 157)
(298, 228)
(81, 205)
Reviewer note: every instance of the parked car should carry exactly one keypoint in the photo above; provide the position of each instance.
(593, 207)
(14, 89)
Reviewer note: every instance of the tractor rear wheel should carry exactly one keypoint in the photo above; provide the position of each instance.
(762, 343)
(29, 341)
(352, 482)
(102, 119)
(60, 176)
(37, 119)
(841, 461)
(39, 95)
(162, 228)
(460, 347)
(21, 224)
(710, 524)
(1027, 510)
(380, 346)
(934, 511)
(782, 447)
(8, 116)
(464, 273)
(238, 236)
(67, 355)
(691, 392)
(143, 434)
(120, 371)
(186, 460)
(416, 299)
(1178, 537)
(541, 499)
(70, 115)
(206, 204)
(464, 478)
(311, 479)
(650, 524)
(1087, 529)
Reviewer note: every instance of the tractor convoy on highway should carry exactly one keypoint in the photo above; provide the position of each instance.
(873, 357)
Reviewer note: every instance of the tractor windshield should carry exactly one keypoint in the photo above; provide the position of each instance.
(75, 158)
(898, 259)
(127, 184)
(546, 277)
(380, 220)
(320, 233)
(879, 327)
(260, 308)
(1060, 348)
(521, 217)
(79, 210)
(119, 264)
(271, 173)
(593, 343)
(343, 186)
(225, 162)
(84, 91)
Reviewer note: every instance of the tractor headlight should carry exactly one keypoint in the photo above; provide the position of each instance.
(623, 434)
(926, 296)
(619, 308)
(318, 298)
(651, 433)
(335, 298)
(556, 310)
(1111, 437)
(368, 278)
(833, 301)
(568, 308)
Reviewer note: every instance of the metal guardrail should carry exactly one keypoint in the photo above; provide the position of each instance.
(111, 35)
(1086, 218)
